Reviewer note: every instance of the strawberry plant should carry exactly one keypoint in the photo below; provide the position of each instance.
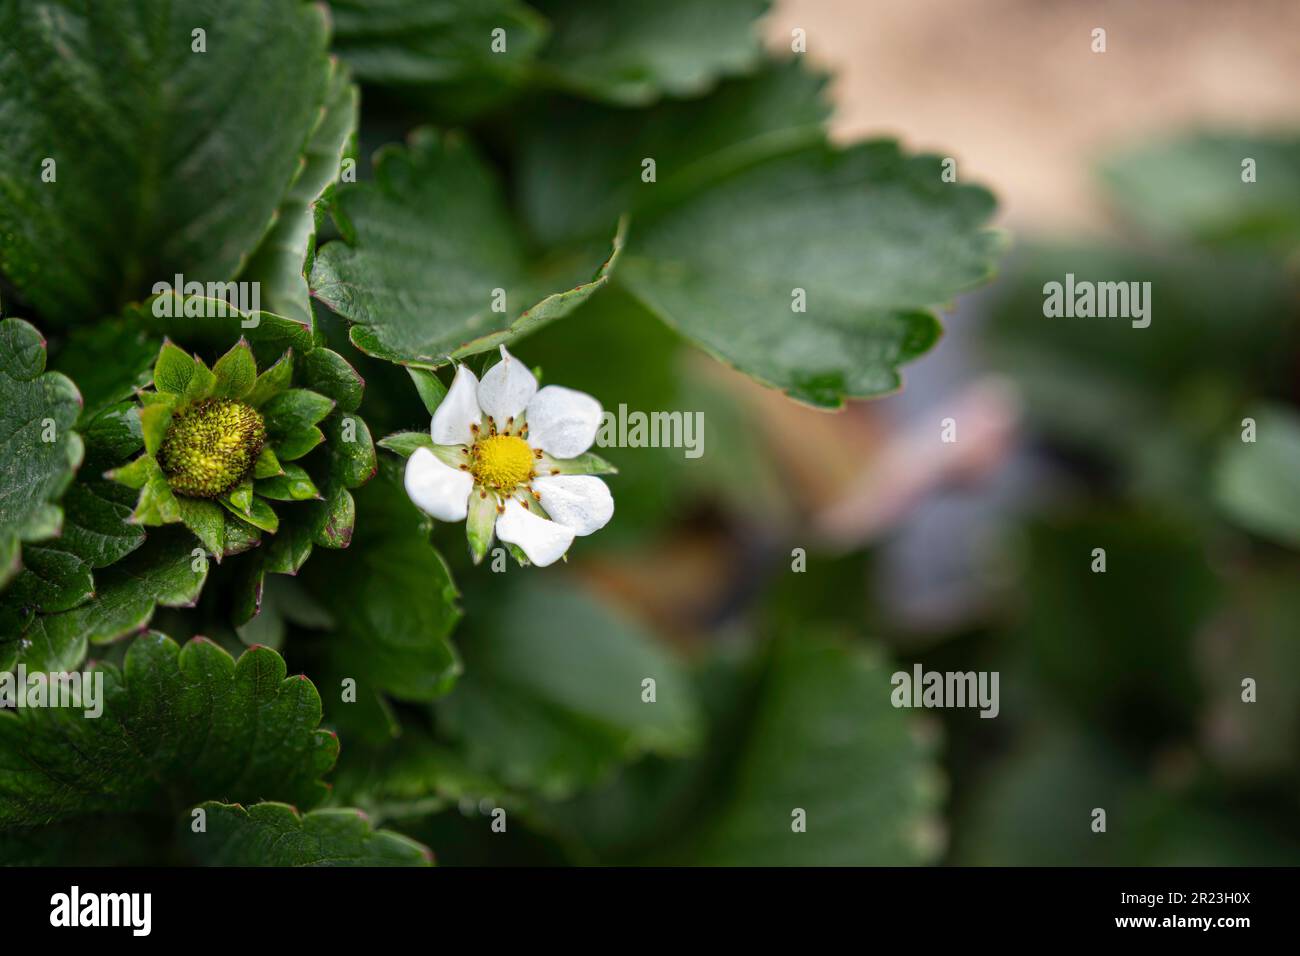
(291, 291)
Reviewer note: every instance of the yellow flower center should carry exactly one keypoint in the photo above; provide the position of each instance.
(502, 461)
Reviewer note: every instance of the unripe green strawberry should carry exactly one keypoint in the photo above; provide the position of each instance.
(210, 447)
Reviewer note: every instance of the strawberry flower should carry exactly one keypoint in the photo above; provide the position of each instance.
(511, 460)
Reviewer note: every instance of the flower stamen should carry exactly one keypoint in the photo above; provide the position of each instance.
(502, 462)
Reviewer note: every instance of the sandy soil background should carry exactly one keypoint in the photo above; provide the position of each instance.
(1013, 88)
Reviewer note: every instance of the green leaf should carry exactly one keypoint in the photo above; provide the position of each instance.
(634, 51)
(37, 412)
(414, 43)
(102, 384)
(178, 725)
(429, 298)
(1257, 483)
(236, 372)
(1023, 815)
(52, 579)
(191, 156)
(1081, 636)
(823, 737)
(411, 776)
(580, 166)
(1175, 383)
(95, 525)
(392, 600)
(131, 841)
(873, 238)
(57, 574)
(1192, 187)
(280, 262)
(276, 834)
(211, 324)
(164, 571)
(281, 602)
(551, 699)
(112, 435)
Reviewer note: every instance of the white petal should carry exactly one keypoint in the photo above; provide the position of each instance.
(459, 410)
(562, 422)
(436, 488)
(506, 388)
(580, 502)
(543, 541)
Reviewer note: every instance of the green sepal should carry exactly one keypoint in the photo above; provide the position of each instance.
(200, 385)
(294, 410)
(289, 549)
(135, 474)
(584, 464)
(174, 369)
(241, 497)
(240, 535)
(267, 465)
(293, 445)
(259, 513)
(336, 520)
(272, 382)
(332, 375)
(154, 420)
(236, 372)
(208, 522)
(480, 523)
(352, 450)
(168, 399)
(405, 443)
(156, 504)
(293, 485)
(249, 583)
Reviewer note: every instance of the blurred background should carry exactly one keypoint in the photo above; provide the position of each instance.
(805, 556)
